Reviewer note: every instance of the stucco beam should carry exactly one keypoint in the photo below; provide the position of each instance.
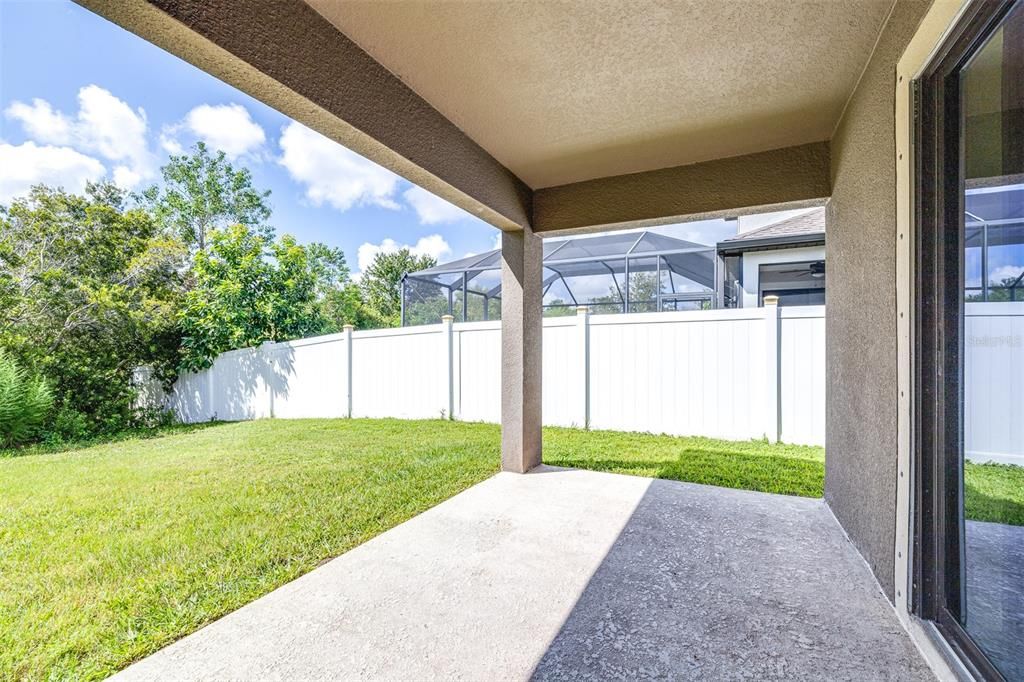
(285, 54)
(791, 177)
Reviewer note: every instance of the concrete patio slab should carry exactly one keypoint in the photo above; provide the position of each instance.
(572, 574)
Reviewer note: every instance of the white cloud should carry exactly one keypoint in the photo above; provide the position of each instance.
(1005, 272)
(433, 245)
(431, 208)
(333, 174)
(227, 127)
(103, 125)
(27, 164)
(41, 121)
(169, 143)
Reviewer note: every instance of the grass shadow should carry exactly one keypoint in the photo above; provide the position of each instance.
(994, 492)
(980, 506)
(721, 467)
(131, 434)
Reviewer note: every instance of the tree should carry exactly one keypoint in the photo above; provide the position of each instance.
(382, 282)
(88, 291)
(249, 289)
(328, 266)
(643, 294)
(204, 192)
(345, 305)
(1008, 289)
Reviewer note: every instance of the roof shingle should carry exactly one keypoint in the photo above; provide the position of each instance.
(811, 222)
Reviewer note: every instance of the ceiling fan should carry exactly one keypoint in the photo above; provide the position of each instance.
(815, 270)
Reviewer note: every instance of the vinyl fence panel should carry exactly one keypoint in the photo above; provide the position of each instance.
(735, 374)
(479, 371)
(802, 376)
(994, 379)
(400, 373)
(688, 373)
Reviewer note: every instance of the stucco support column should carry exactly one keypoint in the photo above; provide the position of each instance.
(521, 330)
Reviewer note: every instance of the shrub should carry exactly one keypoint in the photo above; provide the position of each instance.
(67, 426)
(25, 402)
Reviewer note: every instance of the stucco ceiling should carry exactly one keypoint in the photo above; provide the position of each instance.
(565, 91)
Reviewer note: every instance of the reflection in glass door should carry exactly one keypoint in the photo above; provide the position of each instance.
(969, 505)
(992, 518)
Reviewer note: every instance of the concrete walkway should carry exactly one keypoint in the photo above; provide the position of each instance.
(572, 574)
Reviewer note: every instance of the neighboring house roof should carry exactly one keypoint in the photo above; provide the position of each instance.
(803, 230)
(612, 247)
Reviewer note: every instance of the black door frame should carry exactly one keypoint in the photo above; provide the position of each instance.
(937, 593)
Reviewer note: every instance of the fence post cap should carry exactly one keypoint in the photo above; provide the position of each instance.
(348, 327)
(582, 310)
(447, 318)
(771, 299)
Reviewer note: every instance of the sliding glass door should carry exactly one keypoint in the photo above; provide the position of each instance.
(969, 486)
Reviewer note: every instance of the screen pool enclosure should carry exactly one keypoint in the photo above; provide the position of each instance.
(615, 273)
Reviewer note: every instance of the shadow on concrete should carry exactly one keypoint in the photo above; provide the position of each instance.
(710, 583)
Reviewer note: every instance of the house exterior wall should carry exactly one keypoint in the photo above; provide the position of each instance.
(753, 260)
(861, 382)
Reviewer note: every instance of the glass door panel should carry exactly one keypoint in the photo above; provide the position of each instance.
(991, 506)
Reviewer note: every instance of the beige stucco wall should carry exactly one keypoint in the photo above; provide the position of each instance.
(860, 441)
(791, 177)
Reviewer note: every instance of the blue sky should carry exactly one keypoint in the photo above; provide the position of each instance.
(83, 99)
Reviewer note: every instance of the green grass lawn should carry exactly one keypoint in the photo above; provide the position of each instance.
(109, 552)
(752, 465)
(994, 492)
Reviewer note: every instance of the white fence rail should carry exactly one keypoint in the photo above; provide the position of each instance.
(734, 374)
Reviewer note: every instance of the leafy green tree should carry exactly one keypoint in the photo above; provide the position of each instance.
(345, 305)
(558, 307)
(88, 291)
(249, 289)
(203, 192)
(382, 282)
(328, 267)
(643, 293)
(1009, 289)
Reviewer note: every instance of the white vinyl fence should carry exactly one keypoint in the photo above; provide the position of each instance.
(994, 382)
(735, 374)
